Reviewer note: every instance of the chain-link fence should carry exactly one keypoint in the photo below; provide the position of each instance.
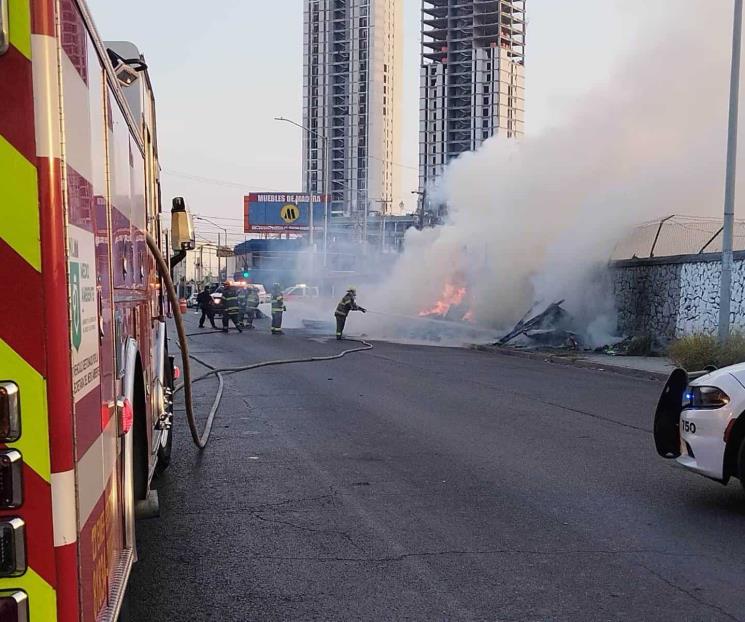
(677, 235)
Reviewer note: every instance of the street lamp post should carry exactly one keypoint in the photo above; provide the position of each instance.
(725, 292)
(325, 140)
(214, 224)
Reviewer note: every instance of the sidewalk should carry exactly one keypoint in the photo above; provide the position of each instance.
(656, 367)
(652, 364)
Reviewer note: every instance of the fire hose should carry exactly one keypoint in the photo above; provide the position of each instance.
(201, 439)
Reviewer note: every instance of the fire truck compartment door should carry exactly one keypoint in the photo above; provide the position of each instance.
(130, 365)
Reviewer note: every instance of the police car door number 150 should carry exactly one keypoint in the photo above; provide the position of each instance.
(688, 426)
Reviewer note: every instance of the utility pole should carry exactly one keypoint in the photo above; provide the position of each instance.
(325, 199)
(725, 292)
(225, 231)
(422, 198)
(310, 217)
(326, 172)
(364, 229)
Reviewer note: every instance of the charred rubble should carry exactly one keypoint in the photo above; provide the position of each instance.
(553, 327)
(556, 328)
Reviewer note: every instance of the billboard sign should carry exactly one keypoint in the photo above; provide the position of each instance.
(281, 212)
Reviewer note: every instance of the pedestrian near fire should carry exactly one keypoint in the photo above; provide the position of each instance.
(278, 307)
(204, 300)
(346, 304)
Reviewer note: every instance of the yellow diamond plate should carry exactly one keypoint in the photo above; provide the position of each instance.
(32, 388)
(19, 204)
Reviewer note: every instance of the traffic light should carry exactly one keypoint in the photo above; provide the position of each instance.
(246, 274)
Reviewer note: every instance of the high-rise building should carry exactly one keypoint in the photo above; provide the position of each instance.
(352, 96)
(472, 78)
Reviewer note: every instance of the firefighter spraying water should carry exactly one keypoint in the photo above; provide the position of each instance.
(347, 304)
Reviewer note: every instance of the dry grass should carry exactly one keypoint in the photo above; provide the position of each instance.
(695, 352)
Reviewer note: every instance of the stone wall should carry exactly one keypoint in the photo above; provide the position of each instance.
(670, 297)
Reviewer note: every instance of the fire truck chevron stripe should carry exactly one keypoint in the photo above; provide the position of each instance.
(43, 601)
(33, 391)
(22, 331)
(19, 203)
(19, 12)
(37, 512)
(18, 97)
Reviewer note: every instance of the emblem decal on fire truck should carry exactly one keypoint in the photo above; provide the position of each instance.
(83, 311)
(75, 304)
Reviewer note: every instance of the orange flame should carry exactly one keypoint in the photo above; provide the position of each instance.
(451, 295)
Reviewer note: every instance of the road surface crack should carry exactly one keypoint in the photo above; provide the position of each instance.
(586, 413)
(690, 594)
(342, 534)
(529, 397)
(465, 553)
(250, 509)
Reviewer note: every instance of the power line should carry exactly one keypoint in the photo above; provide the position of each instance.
(215, 181)
(219, 217)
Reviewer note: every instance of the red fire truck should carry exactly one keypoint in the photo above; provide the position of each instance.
(85, 376)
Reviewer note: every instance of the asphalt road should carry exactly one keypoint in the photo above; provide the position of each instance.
(416, 483)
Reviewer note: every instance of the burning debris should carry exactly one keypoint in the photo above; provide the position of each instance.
(417, 329)
(453, 304)
(549, 328)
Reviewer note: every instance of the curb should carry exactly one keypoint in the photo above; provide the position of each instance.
(578, 361)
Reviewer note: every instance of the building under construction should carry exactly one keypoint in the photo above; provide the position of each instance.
(472, 78)
(352, 74)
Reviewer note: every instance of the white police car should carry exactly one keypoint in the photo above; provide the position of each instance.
(698, 422)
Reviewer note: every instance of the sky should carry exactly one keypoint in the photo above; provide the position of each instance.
(222, 71)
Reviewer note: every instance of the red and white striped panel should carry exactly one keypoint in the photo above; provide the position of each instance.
(84, 463)
(54, 265)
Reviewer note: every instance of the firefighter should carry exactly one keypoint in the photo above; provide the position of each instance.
(346, 304)
(278, 307)
(242, 305)
(231, 308)
(252, 304)
(204, 300)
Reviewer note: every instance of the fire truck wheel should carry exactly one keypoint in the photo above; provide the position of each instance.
(164, 451)
(139, 440)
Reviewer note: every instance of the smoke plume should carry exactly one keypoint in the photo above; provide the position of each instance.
(535, 220)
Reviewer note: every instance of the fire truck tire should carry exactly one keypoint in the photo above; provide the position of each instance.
(139, 439)
(164, 451)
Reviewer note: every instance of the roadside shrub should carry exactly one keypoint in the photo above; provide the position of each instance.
(733, 351)
(640, 346)
(695, 352)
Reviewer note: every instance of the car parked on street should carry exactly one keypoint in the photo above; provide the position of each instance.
(301, 291)
(264, 296)
(191, 301)
(700, 422)
(217, 306)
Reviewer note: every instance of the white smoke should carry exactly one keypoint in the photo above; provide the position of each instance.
(535, 221)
